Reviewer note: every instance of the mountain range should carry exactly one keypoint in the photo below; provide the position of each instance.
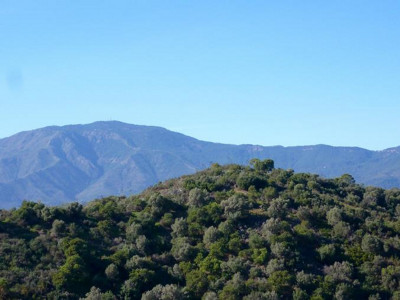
(81, 162)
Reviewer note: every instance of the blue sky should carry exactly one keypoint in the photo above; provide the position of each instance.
(260, 72)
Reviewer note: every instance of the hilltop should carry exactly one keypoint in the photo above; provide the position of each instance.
(228, 232)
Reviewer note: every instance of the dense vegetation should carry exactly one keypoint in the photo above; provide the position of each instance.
(229, 232)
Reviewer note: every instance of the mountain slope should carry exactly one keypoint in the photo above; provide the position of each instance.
(82, 162)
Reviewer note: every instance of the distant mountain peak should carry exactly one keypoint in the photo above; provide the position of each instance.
(58, 164)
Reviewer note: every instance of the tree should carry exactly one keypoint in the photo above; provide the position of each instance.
(234, 289)
(245, 180)
(197, 197)
(281, 282)
(370, 244)
(299, 294)
(211, 234)
(58, 228)
(196, 282)
(266, 165)
(373, 196)
(340, 272)
(235, 265)
(3, 288)
(346, 180)
(327, 253)
(341, 230)
(96, 294)
(179, 228)
(112, 272)
(167, 292)
(334, 216)
(142, 244)
(73, 275)
(181, 249)
(278, 208)
(235, 207)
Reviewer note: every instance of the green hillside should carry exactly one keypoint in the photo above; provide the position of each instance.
(229, 232)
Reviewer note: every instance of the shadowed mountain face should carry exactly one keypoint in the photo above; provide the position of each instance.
(83, 162)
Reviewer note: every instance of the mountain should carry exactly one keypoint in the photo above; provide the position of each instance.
(83, 162)
(227, 232)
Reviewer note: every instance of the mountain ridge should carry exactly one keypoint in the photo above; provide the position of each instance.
(58, 164)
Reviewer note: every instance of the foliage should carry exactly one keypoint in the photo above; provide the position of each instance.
(229, 232)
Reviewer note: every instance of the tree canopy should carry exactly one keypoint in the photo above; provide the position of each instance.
(229, 232)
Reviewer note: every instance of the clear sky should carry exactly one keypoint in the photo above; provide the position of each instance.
(259, 72)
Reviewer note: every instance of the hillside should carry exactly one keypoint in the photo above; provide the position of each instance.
(228, 232)
(81, 162)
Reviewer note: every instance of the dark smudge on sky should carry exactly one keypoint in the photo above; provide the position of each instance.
(14, 79)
